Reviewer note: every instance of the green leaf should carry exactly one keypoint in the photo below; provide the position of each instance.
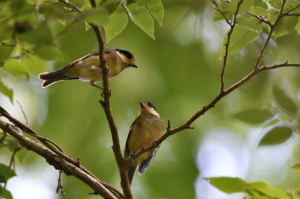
(259, 11)
(260, 3)
(5, 51)
(5, 31)
(6, 173)
(97, 16)
(284, 100)
(8, 92)
(142, 18)
(35, 64)
(253, 116)
(13, 145)
(54, 10)
(16, 68)
(244, 6)
(273, 193)
(297, 27)
(47, 52)
(277, 135)
(22, 154)
(4, 193)
(262, 190)
(258, 184)
(296, 168)
(272, 15)
(156, 8)
(227, 184)
(285, 26)
(218, 16)
(40, 35)
(252, 24)
(118, 23)
(276, 3)
(240, 37)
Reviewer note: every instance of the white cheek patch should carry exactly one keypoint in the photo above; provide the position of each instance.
(84, 80)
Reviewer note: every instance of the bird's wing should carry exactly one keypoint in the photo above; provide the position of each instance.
(144, 165)
(76, 61)
(126, 151)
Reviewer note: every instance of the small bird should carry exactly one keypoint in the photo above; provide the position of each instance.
(87, 68)
(145, 130)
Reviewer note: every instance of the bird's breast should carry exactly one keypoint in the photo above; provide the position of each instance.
(144, 133)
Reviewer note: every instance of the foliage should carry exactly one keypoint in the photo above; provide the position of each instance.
(38, 34)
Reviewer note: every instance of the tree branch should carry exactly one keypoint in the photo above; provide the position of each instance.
(273, 26)
(57, 150)
(232, 25)
(204, 109)
(58, 162)
(218, 9)
(108, 112)
(261, 19)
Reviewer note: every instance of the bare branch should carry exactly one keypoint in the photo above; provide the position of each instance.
(261, 19)
(74, 8)
(108, 112)
(291, 14)
(56, 149)
(23, 112)
(186, 125)
(59, 185)
(232, 25)
(221, 12)
(58, 162)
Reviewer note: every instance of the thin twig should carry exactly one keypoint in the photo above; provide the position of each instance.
(59, 185)
(273, 26)
(12, 159)
(206, 108)
(218, 9)
(232, 25)
(261, 19)
(23, 112)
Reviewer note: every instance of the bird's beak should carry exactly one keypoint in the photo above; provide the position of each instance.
(141, 104)
(134, 66)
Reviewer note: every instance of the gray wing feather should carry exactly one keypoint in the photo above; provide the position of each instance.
(126, 151)
(144, 165)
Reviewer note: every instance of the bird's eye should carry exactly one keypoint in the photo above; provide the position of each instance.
(151, 105)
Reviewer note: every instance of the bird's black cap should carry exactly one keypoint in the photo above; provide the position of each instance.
(128, 54)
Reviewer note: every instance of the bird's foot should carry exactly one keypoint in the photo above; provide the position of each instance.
(154, 148)
(108, 71)
(109, 95)
(131, 154)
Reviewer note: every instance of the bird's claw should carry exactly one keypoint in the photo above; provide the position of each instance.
(108, 71)
(154, 148)
(131, 154)
(109, 95)
(154, 143)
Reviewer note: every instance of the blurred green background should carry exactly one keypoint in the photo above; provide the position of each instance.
(179, 72)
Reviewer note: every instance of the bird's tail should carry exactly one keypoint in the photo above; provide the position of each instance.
(53, 77)
(131, 172)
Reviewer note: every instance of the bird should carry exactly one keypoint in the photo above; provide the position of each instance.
(87, 68)
(146, 129)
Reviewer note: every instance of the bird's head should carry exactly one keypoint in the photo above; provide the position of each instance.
(127, 58)
(148, 108)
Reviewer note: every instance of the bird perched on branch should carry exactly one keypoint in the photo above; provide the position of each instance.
(145, 130)
(87, 68)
